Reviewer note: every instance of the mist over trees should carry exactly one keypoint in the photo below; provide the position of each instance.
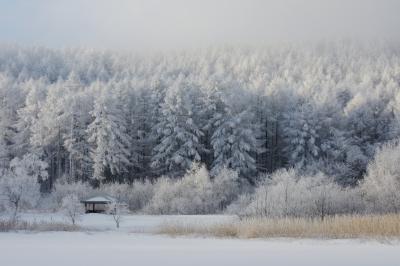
(107, 117)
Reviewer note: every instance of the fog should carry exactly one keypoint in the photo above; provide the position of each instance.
(174, 24)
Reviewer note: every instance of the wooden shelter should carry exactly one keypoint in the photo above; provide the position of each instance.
(97, 204)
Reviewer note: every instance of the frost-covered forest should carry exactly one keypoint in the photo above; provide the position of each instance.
(239, 124)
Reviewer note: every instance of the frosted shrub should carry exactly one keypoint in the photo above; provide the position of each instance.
(382, 181)
(30, 165)
(240, 206)
(120, 192)
(164, 193)
(225, 189)
(323, 193)
(194, 193)
(286, 194)
(62, 189)
(350, 201)
(195, 188)
(117, 210)
(137, 195)
(189, 195)
(141, 195)
(19, 185)
(72, 208)
(274, 196)
(19, 192)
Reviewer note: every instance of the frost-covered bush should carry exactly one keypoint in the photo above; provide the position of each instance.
(225, 189)
(288, 194)
(323, 197)
(30, 165)
(141, 195)
(240, 206)
(382, 181)
(117, 210)
(118, 191)
(273, 197)
(72, 208)
(164, 193)
(62, 189)
(189, 195)
(351, 201)
(19, 185)
(137, 195)
(195, 192)
(19, 192)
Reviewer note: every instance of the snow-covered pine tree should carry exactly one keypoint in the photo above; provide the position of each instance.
(140, 122)
(10, 100)
(367, 123)
(234, 142)
(212, 111)
(301, 134)
(179, 135)
(76, 142)
(27, 115)
(77, 104)
(108, 135)
(157, 99)
(49, 130)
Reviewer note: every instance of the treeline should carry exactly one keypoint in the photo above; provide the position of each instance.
(282, 194)
(100, 117)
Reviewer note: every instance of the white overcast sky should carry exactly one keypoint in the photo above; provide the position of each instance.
(171, 24)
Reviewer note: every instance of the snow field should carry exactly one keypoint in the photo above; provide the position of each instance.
(128, 246)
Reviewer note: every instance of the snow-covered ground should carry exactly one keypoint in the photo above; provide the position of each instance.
(129, 223)
(128, 247)
(110, 248)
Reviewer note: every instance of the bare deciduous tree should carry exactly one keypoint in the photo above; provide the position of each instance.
(72, 208)
(117, 210)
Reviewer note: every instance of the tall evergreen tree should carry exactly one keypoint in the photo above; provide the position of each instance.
(301, 133)
(179, 133)
(108, 134)
(234, 143)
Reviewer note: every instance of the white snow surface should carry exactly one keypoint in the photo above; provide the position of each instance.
(128, 246)
(129, 223)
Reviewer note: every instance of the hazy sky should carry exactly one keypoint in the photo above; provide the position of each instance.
(159, 24)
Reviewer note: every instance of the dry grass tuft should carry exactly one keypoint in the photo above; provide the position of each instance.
(371, 226)
(6, 226)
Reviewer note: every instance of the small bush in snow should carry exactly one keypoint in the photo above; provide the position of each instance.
(224, 189)
(382, 181)
(240, 206)
(189, 195)
(62, 189)
(72, 208)
(286, 194)
(19, 186)
(137, 195)
(195, 193)
(141, 195)
(117, 210)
